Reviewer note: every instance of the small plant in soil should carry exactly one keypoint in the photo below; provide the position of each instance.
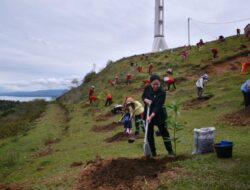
(174, 124)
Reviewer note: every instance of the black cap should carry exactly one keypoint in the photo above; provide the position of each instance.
(155, 77)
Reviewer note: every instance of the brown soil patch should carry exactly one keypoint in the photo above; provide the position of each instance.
(109, 127)
(11, 187)
(76, 164)
(104, 117)
(121, 136)
(126, 174)
(240, 118)
(51, 141)
(196, 103)
(220, 68)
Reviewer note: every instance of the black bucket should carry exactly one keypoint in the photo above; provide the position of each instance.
(224, 149)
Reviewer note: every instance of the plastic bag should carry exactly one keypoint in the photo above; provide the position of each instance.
(204, 140)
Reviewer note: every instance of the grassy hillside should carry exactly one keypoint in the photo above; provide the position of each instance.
(65, 135)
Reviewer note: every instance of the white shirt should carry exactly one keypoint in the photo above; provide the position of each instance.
(200, 82)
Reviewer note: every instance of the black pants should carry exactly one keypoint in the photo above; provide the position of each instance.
(108, 102)
(246, 99)
(169, 85)
(199, 92)
(165, 135)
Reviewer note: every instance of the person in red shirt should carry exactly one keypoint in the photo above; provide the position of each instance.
(184, 54)
(109, 99)
(214, 52)
(146, 82)
(92, 99)
(150, 68)
(91, 93)
(129, 78)
(111, 82)
(139, 68)
(245, 66)
(169, 79)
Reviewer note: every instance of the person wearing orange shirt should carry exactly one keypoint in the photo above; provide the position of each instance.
(245, 66)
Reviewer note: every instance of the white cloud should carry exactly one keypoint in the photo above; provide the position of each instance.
(58, 38)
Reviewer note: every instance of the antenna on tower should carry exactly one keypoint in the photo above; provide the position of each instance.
(159, 40)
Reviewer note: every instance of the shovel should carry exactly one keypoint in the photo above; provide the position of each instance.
(146, 147)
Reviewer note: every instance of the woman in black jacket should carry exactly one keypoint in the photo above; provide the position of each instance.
(155, 96)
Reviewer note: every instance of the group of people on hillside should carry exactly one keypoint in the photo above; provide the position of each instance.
(154, 96)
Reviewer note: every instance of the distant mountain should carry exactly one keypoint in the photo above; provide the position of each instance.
(38, 93)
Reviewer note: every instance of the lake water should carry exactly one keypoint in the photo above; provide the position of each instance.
(24, 99)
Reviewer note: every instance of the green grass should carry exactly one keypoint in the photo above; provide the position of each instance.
(78, 143)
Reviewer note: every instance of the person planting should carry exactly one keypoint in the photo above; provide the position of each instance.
(245, 88)
(91, 94)
(200, 84)
(169, 79)
(139, 68)
(109, 99)
(245, 66)
(129, 79)
(214, 52)
(150, 68)
(154, 97)
(136, 111)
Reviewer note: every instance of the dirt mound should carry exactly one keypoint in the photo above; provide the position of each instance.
(76, 164)
(121, 136)
(125, 174)
(108, 127)
(104, 117)
(241, 118)
(196, 102)
(10, 187)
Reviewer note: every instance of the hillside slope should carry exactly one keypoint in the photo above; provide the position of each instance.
(72, 132)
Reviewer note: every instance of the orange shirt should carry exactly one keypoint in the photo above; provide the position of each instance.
(245, 67)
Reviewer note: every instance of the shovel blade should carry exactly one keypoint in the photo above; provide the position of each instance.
(147, 150)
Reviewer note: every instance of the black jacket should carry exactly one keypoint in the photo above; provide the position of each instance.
(158, 100)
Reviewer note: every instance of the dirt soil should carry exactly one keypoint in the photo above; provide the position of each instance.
(127, 174)
(121, 136)
(217, 68)
(196, 103)
(240, 118)
(104, 117)
(10, 187)
(220, 68)
(109, 127)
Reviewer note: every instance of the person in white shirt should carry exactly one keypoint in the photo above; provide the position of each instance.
(200, 84)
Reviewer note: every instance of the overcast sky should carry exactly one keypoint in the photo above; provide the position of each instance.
(46, 43)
